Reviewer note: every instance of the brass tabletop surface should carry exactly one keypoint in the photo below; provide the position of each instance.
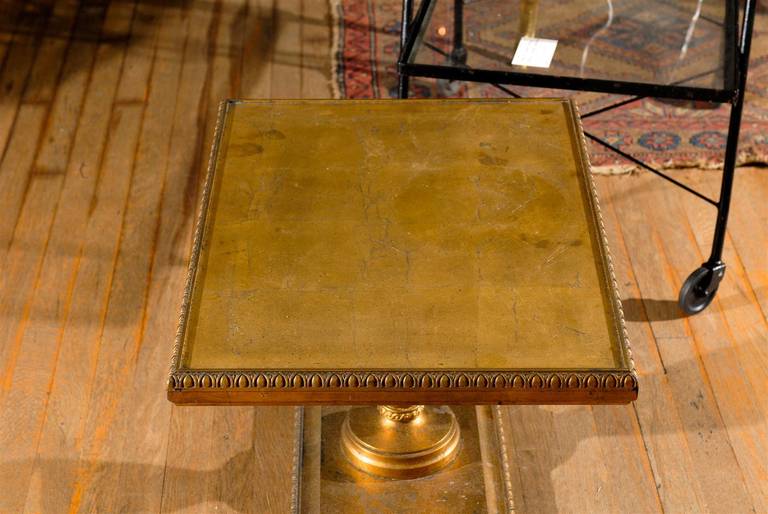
(428, 251)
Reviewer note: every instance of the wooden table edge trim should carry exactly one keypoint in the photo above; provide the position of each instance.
(362, 397)
(420, 386)
(610, 285)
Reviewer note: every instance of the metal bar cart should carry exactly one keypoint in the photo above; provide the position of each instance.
(723, 83)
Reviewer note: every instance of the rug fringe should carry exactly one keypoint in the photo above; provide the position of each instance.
(750, 156)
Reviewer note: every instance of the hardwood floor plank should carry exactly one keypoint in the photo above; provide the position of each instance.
(272, 437)
(39, 203)
(316, 39)
(534, 462)
(24, 60)
(748, 232)
(65, 258)
(9, 14)
(578, 459)
(125, 322)
(191, 460)
(56, 180)
(254, 77)
(62, 439)
(225, 55)
(630, 480)
(242, 462)
(243, 447)
(60, 448)
(286, 49)
(662, 430)
(232, 485)
(78, 331)
(256, 442)
(141, 42)
(20, 57)
(166, 277)
(733, 333)
(14, 167)
(58, 36)
(187, 466)
(657, 248)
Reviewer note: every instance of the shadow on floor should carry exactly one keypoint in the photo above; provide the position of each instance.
(55, 478)
(540, 440)
(649, 309)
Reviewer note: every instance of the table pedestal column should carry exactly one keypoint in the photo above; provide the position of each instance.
(400, 442)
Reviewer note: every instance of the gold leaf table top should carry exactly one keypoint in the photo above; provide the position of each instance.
(417, 251)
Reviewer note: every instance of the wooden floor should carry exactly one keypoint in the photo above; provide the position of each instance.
(106, 115)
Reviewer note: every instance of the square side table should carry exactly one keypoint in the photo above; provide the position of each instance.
(400, 252)
(399, 255)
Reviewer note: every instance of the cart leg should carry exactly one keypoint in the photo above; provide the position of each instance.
(700, 287)
(459, 52)
(405, 21)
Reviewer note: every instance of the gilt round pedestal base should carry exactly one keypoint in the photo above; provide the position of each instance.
(400, 442)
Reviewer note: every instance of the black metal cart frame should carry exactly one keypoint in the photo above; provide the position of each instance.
(700, 287)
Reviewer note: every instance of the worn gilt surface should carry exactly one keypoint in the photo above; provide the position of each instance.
(403, 247)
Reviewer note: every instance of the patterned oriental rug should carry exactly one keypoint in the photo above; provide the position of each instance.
(667, 134)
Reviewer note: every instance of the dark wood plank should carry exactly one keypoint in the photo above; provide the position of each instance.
(39, 202)
(37, 85)
(253, 78)
(14, 170)
(23, 60)
(20, 56)
(9, 13)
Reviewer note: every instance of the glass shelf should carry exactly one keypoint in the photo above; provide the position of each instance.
(683, 48)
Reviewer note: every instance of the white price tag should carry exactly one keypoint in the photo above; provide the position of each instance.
(534, 52)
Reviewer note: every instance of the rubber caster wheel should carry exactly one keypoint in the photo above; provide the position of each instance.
(699, 289)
